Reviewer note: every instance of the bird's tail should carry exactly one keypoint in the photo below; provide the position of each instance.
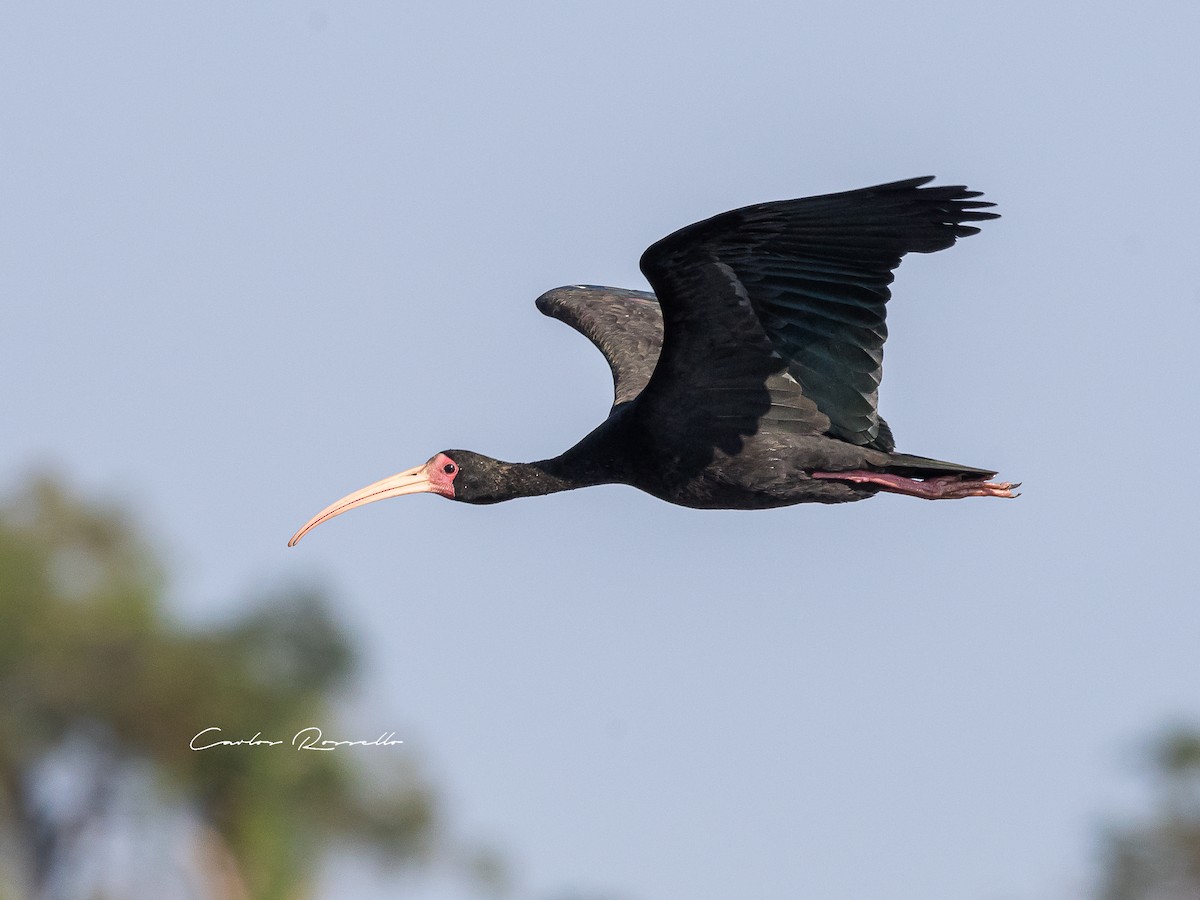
(923, 467)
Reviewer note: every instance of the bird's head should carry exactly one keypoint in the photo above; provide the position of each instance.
(454, 474)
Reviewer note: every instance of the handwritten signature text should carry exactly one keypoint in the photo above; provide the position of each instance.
(311, 738)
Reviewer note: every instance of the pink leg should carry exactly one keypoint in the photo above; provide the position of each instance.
(943, 487)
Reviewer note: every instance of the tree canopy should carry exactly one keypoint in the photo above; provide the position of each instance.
(90, 658)
(1159, 859)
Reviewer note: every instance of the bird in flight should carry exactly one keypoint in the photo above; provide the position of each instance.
(749, 379)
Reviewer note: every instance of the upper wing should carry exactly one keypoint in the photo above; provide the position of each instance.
(796, 290)
(626, 326)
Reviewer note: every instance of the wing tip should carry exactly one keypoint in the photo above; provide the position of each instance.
(958, 194)
(557, 297)
(548, 301)
(554, 300)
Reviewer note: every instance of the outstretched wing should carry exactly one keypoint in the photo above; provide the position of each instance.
(626, 326)
(794, 293)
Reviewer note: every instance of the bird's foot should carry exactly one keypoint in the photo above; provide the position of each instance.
(943, 487)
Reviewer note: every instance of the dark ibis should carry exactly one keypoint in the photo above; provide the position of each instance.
(749, 378)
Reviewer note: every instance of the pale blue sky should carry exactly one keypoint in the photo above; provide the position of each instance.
(254, 256)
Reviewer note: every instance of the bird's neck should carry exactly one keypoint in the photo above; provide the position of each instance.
(549, 476)
(494, 481)
(584, 465)
(594, 460)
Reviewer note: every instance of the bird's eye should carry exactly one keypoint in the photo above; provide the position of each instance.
(449, 468)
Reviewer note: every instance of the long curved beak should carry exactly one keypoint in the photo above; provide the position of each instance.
(412, 481)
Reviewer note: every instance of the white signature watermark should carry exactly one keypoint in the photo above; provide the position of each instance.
(309, 738)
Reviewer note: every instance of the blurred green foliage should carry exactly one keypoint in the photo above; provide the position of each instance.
(86, 645)
(1160, 859)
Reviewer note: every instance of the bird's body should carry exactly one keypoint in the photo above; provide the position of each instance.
(749, 379)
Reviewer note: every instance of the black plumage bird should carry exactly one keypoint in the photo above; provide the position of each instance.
(749, 378)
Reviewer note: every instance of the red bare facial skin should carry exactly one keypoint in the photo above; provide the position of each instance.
(441, 471)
